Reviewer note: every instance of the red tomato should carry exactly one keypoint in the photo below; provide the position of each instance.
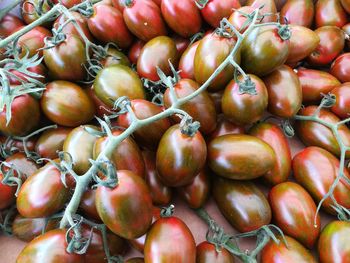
(135, 50)
(330, 13)
(30, 14)
(9, 24)
(181, 44)
(38, 69)
(215, 10)
(88, 205)
(7, 194)
(238, 19)
(341, 67)
(224, 127)
(206, 253)
(100, 107)
(186, 64)
(266, 7)
(33, 40)
(342, 105)
(298, 12)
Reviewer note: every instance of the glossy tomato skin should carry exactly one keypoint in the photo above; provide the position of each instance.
(182, 16)
(316, 169)
(330, 46)
(197, 192)
(49, 247)
(25, 116)
(244, 109)
(273, 135)
(88, 205)
(266, 7)
(314, 83)
(126, 156)
(181, 43)
(117, 81)
(340, 68)
(210, 53)
(240, 157)
(7, 194)
(157, 53)
(206, 253)
(263, 51)
(315, 134)
(68, 54)
(34, 200)
(23, 165)
(284, 92)
(201, 108)
(149, 135)
(238, 19)
(186, 63)
(170, 240)
(299, 12)
(242, 204)
(161, 194)
(79, 144)
(51, 141)
(329, 13)
(135, 50)
(144, 19)
(107, 25)
(294, 211)
(224, 127)
(115, 57)
(215, 10)
(180, 157)
(342, 105)
(295, 252)
(333, 244)
(66, 104)
(113, 206)
(32, 41)
(301, 43)
(9, 24)
(100, 107)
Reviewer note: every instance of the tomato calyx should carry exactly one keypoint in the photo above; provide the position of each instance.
(128, 3)
(284, 32)
(201, 3)
(11, 176)
(167, 211)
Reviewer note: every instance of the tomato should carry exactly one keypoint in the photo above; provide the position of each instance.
(100, 107)
(34, 200)
(263, 50)
(119, 4)
(69, 54)
(267, 7)
(29, 12)
(144, 19)
(180, 157)
(126, 156)
(329, 13)
(182, 16)
(161, 194)
(25, 116)
(342, 105)
(181, 44)
(240, 157)
(294, 211)
(298, 12)
(316, 169)
(115, 57)
(66, 103)
(149, 135)
(135, 260)
(68, 3)
(186, 63)
(157, 53)
(26, 229)
(49, 247)
(340, 67)
(346, 5)
(51, 142)
(314, 83)
(238, 18)
(242, 204)
(244, 109)
(215, 10)
(331, 44)
(38, 69)
(135, 50)
(170, 240)
(206, 253)
(196, 193)
(107, 25)
(217, 97)
(211, 52)
(301, 43)
(284, 92)
(32, 41)
(70, 29)
(127, 209)
(293, 252)
(7, 194)
(9, 24)
(201, 108)
(224, 127)
(274, 136)
(9, 143)
(79, 144)
(116, 81)
(333, 243)
(25, 166)
(88, 206)
(316, 134)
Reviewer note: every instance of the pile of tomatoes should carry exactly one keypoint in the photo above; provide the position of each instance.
(291, 65)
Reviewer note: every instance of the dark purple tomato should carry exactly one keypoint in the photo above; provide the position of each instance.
(330, 13)
(342, 105)
(340, 68)
(206, 253)
(135, 50)
(170, 240)
(126, 209)
(186, 64)
(240, 157)
(180, 157)
(294, 212)
(66, 104)
(298, 12)
(242, 204)
(181, 44)
(215, 10)
(244, 109)
(88, 205)
(224, 127)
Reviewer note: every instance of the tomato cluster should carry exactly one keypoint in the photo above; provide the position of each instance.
(259, 71)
